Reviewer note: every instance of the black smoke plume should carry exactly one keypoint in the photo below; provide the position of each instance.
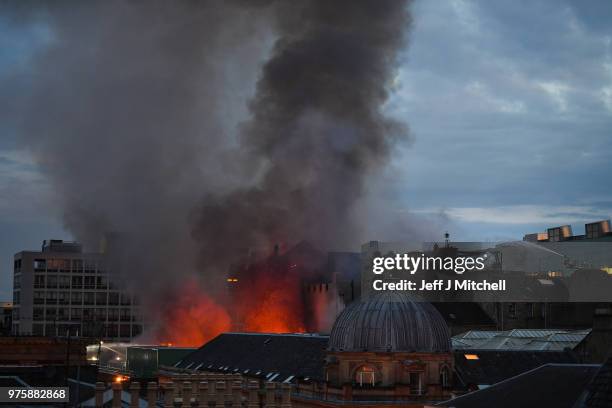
(317, 128)
(196, 130)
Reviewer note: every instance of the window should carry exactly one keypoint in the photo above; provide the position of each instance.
(125, 299)
(51, 298)
(415, 383)
(112, 330)
(16, 297)
(38, 313)
(445, 376)
(62, 313)
(52, 281)
(88, 298)
(40, 265)
(530, 310)
(113, 315)
(101, 298)
(90, 282)
(125, 315)
(39, 281)
(38, 329)
(101, 282)
(17, 282)
(39, 297)
(113, 298)
(77, 282)
(54, 264)
(77, 265)
(76, 298)
(365, 375)
(88, 314)
(63, 298)
(89, 266)
(100, 313)
(512, 310)
(124, 330)
(64, 282)
(76, 314)
(64, 265)
(50, 314)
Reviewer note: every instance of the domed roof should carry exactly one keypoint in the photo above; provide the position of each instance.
(390, 322)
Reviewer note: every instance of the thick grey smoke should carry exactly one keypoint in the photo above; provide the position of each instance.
(131, 110)
(158, 122)
(317, 128)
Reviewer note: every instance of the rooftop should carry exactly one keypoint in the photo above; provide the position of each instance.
(275, 357)
(551, 385)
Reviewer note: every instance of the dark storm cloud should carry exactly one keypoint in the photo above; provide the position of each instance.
(513, 101)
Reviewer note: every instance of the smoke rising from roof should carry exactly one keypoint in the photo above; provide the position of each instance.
(317, 129)
(196, 130)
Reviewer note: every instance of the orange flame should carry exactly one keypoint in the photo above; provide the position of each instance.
(194, 319)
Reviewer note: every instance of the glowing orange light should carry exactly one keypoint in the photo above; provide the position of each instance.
(121, 378)
(471, 357)
(194, 319)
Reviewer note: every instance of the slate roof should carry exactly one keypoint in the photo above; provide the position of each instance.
(464, 314)
(551, 385)
(600, 389)
(520, 339)
(276, 357)
(493, 366)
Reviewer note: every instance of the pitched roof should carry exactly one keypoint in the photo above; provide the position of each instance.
(551, 385)
(492, 366)
(464, 314)
(600, 389)
(277, 357)
(520, 339)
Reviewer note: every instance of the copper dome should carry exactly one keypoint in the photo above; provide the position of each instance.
(390, 322)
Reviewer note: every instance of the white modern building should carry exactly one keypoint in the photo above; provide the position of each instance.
(61, 290)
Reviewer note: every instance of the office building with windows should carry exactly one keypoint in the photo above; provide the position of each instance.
(62, 290)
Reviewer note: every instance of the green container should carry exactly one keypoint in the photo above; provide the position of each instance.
(144, 361)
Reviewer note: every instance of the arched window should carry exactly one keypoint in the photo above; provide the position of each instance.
(365, 375)
(445, 376)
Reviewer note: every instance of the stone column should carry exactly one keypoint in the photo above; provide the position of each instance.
(152, 393)
(187, 388)
(212, 391)
(236, 393)
(203, 394)
(270, 395)
(117, 388)
(253, 395)
(169, 395)
(286, 395)
(100, 388)
(220, 388)
(134, 394)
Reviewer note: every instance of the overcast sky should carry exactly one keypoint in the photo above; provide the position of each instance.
(509, 104)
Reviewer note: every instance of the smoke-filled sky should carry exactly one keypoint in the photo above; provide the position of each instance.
(509, 106)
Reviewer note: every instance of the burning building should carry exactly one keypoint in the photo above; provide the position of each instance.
(388, 349)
